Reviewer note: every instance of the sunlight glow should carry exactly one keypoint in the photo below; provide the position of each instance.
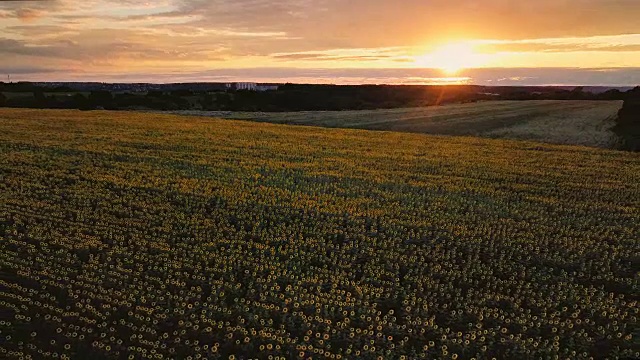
(452, 58)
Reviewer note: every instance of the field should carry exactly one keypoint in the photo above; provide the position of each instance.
(158, 236)
(585, 123)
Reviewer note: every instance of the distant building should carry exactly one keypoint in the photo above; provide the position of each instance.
(266, 87)
(246, 86)
(251, 86)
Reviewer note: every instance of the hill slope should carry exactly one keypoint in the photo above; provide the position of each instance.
(129, 233)
(585, 123)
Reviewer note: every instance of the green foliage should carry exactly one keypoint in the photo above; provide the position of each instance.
(145, 235)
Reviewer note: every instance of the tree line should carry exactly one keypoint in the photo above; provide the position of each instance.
(289, 97)
(628, 127)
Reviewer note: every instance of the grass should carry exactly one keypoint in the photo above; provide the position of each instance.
(138, 234)
(586, 123)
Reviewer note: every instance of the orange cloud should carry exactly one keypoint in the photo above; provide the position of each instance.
(29, 15)
(111, 36)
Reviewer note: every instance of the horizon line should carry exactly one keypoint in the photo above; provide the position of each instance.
(312, 83)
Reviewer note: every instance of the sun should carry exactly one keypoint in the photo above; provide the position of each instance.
(451, 58)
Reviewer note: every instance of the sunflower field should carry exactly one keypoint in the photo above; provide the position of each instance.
(143, 236)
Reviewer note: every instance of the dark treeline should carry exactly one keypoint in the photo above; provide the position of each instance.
(288, 97)
(628, 126)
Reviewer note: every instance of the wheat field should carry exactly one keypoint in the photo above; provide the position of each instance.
(585, 123)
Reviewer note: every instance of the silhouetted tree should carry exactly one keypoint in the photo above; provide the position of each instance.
(629, 120)
(101, 98)
(224, 100)
(155, 94)
(207, 102)
(180, 93)
(40, 100)
(61, 89)
(633, 93)
(577, 93)
(39, 95)
(3, 99)
(630, 112)
(81, 102)
(613, 94)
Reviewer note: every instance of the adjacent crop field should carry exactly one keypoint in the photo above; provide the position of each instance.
(586, 123)
(156, 236)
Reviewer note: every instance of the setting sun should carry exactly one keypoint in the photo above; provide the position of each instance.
(452, 58)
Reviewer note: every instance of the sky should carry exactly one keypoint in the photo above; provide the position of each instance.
(489, 42)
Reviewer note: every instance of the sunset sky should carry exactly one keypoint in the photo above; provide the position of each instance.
(500, 42)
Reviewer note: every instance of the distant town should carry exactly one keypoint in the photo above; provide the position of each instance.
(144, 87)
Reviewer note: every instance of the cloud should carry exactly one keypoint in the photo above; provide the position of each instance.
(28, 10)
(503, 77)
(15, 47)
(555, 48)
(348, 55)
(184, 36)
(625, 42)
(28, 15)
(362, 22)
(29, 70)
(324, 57)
